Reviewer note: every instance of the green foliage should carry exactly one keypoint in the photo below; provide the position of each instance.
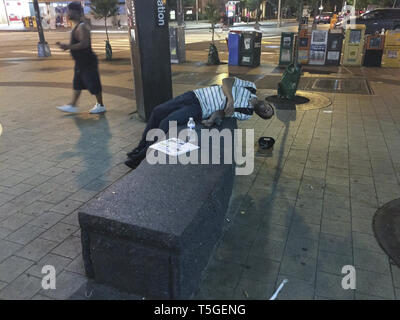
(172, 4)
(213, 16)
(104, 8)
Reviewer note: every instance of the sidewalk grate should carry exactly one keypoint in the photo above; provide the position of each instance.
(355, 86)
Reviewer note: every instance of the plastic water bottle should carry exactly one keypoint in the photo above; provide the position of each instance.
(191, 125)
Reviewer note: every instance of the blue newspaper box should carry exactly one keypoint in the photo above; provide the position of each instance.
(234, 49)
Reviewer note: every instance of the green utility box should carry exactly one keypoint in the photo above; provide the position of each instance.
(290, 80)
(287, 46)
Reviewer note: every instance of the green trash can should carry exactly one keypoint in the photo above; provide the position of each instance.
(287, 87)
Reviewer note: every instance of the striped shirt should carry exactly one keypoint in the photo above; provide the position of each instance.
(213, 99)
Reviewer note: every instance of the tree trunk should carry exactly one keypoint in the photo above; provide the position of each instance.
(105, 24)
(212, 30)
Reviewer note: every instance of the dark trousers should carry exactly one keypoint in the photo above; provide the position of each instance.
(179, 109)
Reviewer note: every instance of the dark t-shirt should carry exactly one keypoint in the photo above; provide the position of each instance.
(84, 58)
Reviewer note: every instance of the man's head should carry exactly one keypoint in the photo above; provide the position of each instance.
(262, 108)
(75, 11)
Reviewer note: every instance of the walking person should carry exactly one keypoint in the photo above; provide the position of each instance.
(235, 98)
(86, 72)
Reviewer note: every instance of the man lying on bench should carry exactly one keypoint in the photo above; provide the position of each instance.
(235, 98)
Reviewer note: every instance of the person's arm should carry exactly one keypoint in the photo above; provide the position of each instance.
(82, 33)
(227, 85)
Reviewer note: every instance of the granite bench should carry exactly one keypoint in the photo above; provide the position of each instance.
(153, 231)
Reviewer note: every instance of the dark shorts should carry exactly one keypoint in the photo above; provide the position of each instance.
(87, 78)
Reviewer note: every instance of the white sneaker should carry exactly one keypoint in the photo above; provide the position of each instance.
(68, 108)
(98, 108)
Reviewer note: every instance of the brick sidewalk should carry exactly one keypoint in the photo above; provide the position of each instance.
(303, 214)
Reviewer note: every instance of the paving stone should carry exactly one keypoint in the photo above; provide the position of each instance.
(336, 227)
(298, 266)
(8, 248)
(2, 285)
(302, 246)
(330, 285)
(56, 196)
(361, 296)
(366, 242)
(58, 262)
(36, 208)
(265, 247)
(248, 289)
(333, 263)
(25, 234)
(362, 212)
(260, 268)
(373, 283)
(67, 206)
(23, 288)
(47, 219)
(70, 247)
(40, 297)
(222, 274)
(15, 221)
(295, 289)
(12, 267)
(4, 198)
(303, 229)
(37, 179)
(28, 197)
(4, 232)
(67, 283)
(308, 216)
(336, 244)
(362, 225)
(72, 219)
(76, 266)
(396, 275)
(272, 232)
(59, 232)
(371, 261)
(37, 249)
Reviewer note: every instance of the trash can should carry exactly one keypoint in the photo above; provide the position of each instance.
(234, 48)
(287, 87)
(177, 44)
(250, 48)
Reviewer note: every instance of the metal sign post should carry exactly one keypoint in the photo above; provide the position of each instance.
(43, 47)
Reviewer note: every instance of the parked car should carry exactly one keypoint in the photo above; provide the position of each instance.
(378, 19)
(324, 17)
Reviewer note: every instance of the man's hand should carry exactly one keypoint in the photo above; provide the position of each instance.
(230, 108)
(63, 46)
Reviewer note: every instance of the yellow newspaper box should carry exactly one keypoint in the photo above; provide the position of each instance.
(391, 52)
(353, 45)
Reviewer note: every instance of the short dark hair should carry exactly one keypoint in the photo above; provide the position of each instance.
(75, 6)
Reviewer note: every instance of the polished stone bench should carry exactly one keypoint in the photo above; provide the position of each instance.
(152, 232)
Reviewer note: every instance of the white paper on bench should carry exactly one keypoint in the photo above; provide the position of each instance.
(174, 146)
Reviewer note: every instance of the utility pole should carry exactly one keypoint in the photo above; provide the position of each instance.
(197, 11)
(43, 47)
(279, 14)
(179, 8)
(6, 12)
